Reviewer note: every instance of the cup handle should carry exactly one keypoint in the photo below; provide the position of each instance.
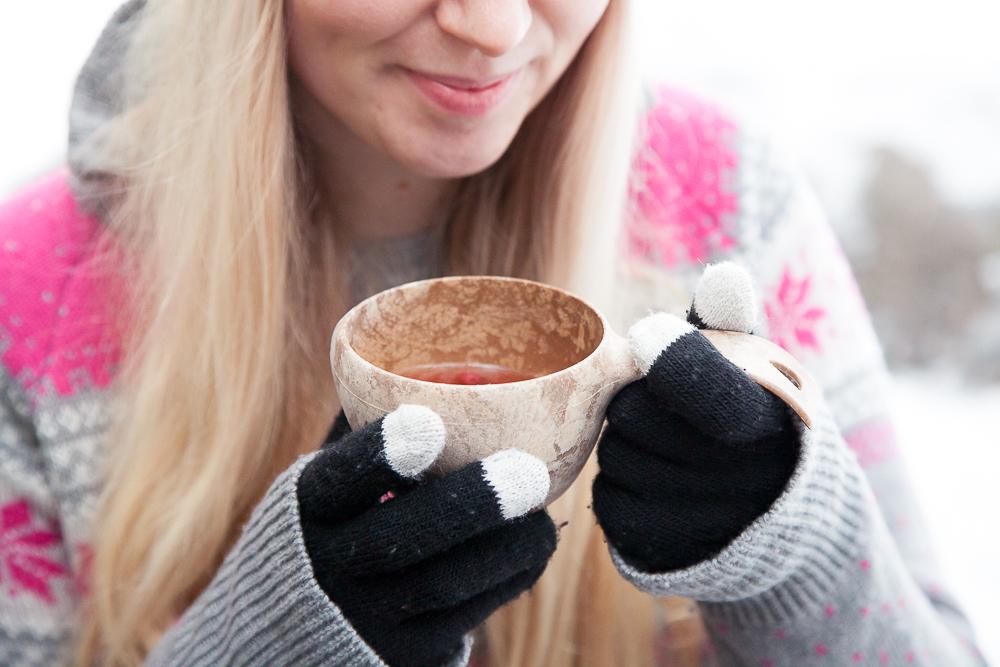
(770, 366)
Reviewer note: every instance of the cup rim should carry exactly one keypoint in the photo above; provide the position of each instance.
(339, 331)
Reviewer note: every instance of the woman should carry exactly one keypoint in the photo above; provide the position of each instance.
(240, 174)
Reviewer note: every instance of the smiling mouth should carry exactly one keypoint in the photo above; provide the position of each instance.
(463, 83)
(463, 96)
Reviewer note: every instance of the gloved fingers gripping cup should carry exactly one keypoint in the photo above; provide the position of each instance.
(696, 449)
(415, 570)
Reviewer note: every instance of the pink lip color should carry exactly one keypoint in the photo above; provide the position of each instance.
(465, 97)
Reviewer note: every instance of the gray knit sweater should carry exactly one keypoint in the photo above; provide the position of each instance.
(837, 572)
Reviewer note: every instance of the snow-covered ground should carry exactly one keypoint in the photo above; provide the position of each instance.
(830, 80)
(950, 435)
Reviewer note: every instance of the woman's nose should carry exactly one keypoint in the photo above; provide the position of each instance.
(492, 26)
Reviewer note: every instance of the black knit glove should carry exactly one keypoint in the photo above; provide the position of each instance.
(694, 451)
(414, 570)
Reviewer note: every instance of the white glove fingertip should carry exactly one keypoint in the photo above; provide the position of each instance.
(519, 480)
(653, 334)
(413, 437)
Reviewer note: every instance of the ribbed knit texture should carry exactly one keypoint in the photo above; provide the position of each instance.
(815, 576)
(264, 606)
(806, 540)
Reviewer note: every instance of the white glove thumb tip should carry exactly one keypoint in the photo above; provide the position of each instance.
(519, 480)
(724, 298)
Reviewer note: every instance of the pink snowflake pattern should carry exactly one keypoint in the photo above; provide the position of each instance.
(791, 317)
(58, 291)
(681, 193)
(24, 543)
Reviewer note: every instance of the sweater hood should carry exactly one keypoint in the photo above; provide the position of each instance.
(98, 97)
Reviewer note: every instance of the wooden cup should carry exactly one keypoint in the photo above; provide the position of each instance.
(578, 362)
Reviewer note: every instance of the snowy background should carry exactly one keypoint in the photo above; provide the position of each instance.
(892, 107)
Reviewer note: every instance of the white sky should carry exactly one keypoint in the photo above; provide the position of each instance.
(830, 79)
(42, 45)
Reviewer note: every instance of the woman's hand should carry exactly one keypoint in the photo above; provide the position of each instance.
(415, 570)
(695, 450)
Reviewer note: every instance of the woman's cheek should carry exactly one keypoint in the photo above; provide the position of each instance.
(364, 21)
(571, 21)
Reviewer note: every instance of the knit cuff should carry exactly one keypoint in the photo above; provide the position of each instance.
(264, 606)
(795, 555)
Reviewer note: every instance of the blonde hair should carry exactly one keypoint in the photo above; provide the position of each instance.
(233, 274)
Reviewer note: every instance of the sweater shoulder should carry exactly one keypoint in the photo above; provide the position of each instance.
(55, 300)
(703, 179)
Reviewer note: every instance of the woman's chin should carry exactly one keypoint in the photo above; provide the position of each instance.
(450, 159)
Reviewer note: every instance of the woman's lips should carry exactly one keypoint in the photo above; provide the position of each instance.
(466, 97)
